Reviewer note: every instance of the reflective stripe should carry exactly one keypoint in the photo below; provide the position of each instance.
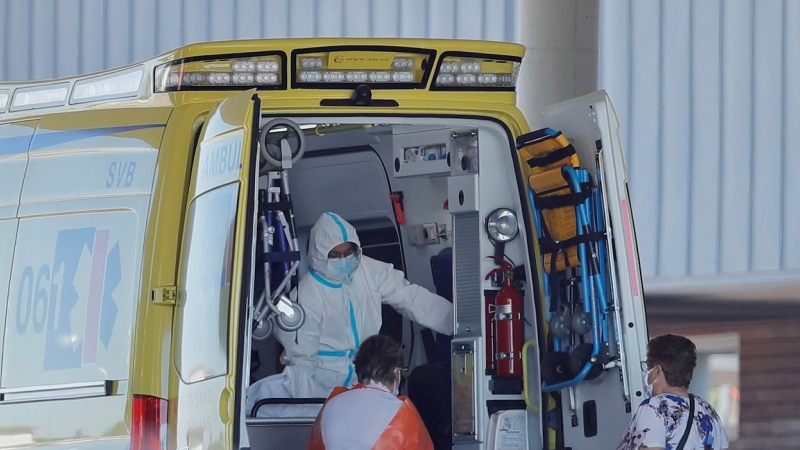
(334, 353)
(353, 325)
(341, 226)
(349, 375)
(354, 328)
(344, 353)
(323, 281)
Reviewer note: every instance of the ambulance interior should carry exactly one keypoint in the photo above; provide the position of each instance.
(397, 185)
(421, 193)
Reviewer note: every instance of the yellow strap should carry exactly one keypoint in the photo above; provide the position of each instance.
(544, 146)
(528, 402)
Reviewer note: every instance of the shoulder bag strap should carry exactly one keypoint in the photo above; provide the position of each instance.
(688, 423)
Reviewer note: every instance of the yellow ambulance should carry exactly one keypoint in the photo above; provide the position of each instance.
(133, 296)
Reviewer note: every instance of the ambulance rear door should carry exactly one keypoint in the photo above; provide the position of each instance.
(597, 411)
(214, 284)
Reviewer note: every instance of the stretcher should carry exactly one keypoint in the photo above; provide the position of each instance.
(569, 219)
(280, 254)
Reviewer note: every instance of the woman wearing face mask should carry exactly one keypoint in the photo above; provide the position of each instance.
(671, 418)
(342, 295)
(370, 415)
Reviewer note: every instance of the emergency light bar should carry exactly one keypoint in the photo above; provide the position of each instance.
(476, 72)
(116, 85)
(346, 67)
(4, 95)
(40, 97)
(261, 71)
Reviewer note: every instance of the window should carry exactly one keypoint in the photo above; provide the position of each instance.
(716, 377)
(204, 289)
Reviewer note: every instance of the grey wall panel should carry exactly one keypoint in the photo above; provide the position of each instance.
(704, 120)
(66, 51)
(737, 135)
(674, 98)
(47, 39)
(767, 147)
(17, 40)
(645, 176)
(790, 132)
(144, 18)
(710, 109)
(42, 24)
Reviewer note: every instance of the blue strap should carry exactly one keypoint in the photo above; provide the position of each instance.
(353, 325)
(340, 224)
(323, 281)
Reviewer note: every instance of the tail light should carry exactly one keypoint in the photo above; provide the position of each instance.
(149, 423)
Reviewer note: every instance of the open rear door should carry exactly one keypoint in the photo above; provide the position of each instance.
(215, 280)
(596, 411)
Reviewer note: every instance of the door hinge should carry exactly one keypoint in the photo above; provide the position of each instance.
(164, 295)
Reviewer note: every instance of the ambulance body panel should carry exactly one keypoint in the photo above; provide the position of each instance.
(14, 140)
(76, 277)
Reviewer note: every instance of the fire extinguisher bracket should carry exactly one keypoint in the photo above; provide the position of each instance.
(507, 355)
(505, 328)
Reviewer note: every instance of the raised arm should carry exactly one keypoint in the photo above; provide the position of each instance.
(411, 300)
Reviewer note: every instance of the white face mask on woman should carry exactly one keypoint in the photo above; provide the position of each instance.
(648, 387)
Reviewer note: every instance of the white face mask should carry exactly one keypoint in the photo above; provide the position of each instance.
(344, 266)
(648, 387)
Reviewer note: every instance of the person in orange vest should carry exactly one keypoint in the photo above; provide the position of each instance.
(370, 415)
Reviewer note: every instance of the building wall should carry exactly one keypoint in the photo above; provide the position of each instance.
(709, 101)
(46, 39)
(561, 39)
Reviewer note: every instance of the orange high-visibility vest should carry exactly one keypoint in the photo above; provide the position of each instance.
(368, 417)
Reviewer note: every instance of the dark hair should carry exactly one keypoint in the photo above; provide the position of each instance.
(677, 357)
(377, 358)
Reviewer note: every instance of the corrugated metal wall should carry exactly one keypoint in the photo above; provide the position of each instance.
(45, 38)
(709, 96)
(704, 89)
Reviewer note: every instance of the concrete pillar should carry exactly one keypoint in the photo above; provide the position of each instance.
(561, 37)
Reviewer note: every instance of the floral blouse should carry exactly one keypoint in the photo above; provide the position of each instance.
(660, 422)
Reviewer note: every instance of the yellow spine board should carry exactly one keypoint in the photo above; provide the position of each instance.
(546, 180)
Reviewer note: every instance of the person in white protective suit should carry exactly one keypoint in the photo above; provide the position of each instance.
(342, 295)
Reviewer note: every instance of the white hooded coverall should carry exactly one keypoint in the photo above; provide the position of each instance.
(341, 311)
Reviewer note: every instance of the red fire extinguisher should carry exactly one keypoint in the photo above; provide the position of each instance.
(509, 331)
(489, 297)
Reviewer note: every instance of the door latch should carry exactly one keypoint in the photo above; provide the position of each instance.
(164, 295)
